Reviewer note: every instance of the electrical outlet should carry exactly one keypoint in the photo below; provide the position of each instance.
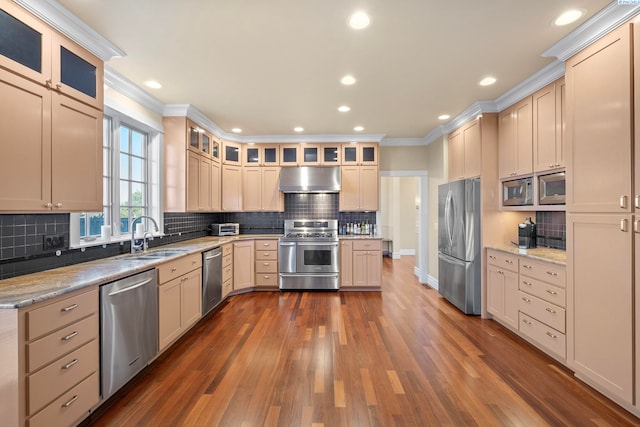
(53, 242)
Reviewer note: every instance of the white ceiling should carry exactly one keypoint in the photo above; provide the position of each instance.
(268, 66)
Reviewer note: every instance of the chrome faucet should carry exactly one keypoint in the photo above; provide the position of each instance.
(143, 245)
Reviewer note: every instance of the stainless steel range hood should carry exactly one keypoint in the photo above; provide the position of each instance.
(310, 179)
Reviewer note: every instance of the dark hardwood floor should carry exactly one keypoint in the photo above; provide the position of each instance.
(401, 357)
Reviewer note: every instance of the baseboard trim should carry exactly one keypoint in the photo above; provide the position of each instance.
(432, 281)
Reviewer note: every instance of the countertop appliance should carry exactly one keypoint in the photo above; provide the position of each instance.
(459, 244)
(517, 192)
(128, 328)
(211, 279)
(308, 255)
(527, 234)
(228, 229)
(309, 179)
(552, 188)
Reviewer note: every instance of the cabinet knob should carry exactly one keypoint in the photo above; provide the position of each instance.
(551, 166)
(59, 86)
(48, 205)
(173, 270)
(48, 83)
(59, 205)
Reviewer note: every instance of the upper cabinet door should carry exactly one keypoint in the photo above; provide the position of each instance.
(216, 148)
(232, 153)
(310, 154)
(290, 155)
(271, 155)
(350, 154)
(25, 43)
(456, 156)
(330, 155)
(599, 137)
(515, 140)
(76, 72)
(251, 155)
(545, 129)
(368, 154)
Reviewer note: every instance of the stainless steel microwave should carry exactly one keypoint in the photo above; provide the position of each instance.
(518, 192)
(552, 189)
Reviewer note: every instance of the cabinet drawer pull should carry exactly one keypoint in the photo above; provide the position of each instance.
(527, 266)
(266, 264)
(194, 261)
(526, 300)
(70, 364)
(490, 256)
(69, 403)
(623, 202)
(623, 225)
(549, 291)
(173, 270)
(524, 282)
(637, 201)
(266, 244)
(508, 261)
(71, 335)
(265, 276)
(552, 273)
(636, 226)
(552, 311)
(500, 272)
(552, 335)
(71, 307)
(526, 322)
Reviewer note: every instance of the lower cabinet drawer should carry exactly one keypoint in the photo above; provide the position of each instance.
(266, 266)
(547, 337)
(543, 311)
(227, 260)
(267, 279)
(227, 273)
(267, 255)
(50, 382)
(70, 407)
(54, 345)
(227, 287)
(545, 291)
(43, 320)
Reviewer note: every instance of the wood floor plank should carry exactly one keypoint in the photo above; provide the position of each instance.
(400, 357)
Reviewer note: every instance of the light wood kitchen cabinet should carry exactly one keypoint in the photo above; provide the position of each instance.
(548, 127)
(260, 189)
(346, 263)
(367, 262)
(227, 269)
(261, 154)
(330, 154)
(179, 297)
(52, 105)
(266, 263)
(515, 139)
(465, 151)
(599, 139)
(231, 153)
(290, 155)
(600, 294)
(359, 188)
(59, 344)
(192, 173)
(502, 287)
(243, 265)
(360, 153)
(231, 188)
(542, 305)
(309, 154)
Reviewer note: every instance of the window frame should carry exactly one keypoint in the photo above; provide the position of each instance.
(111, 202)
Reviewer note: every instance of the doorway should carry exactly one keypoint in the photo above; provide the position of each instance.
(403, 217)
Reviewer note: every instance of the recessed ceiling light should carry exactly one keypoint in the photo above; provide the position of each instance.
(443, 117)
(348, 80)
(358, 128)
(359, 20)
(298, 129)
(152, 84)
(487, 81)
(568, 17)
(236, 130)
(344, 108)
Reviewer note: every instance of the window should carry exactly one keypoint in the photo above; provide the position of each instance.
(131, 182)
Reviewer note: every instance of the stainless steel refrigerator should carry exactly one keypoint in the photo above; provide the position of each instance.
(459, 242)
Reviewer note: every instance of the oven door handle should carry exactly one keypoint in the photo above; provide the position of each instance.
(335, 275)
(287, 243)
(318, 244)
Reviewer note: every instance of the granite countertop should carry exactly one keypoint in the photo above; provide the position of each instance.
(358, 237)
(555, 256)
(25, 290)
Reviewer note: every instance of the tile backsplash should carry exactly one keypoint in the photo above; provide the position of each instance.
(21, 235)
(551, 229)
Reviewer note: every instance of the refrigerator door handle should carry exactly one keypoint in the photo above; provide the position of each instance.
(449, 215)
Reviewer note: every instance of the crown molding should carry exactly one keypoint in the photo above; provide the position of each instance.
(540, 79)
(612, 16)
(57, 16)
(402, 142)
(120, 83)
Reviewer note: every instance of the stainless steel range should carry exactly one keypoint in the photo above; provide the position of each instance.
(308, 255)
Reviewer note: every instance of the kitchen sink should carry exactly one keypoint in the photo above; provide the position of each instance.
(159, 254)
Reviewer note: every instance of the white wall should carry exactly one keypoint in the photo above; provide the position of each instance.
(437, 165)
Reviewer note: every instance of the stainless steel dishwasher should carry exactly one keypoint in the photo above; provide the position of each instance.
(211, 279)
(128, 328)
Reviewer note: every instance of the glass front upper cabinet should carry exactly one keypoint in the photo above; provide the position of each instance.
(330, 154)
(215, 149)
(251, 155)
(289, 155)
(360, 154)
(270, 156)
(232, 153)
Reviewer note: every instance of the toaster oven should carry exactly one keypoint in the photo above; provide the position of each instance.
(229, 229)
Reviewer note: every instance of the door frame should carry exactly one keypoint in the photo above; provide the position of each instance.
(422, 268)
